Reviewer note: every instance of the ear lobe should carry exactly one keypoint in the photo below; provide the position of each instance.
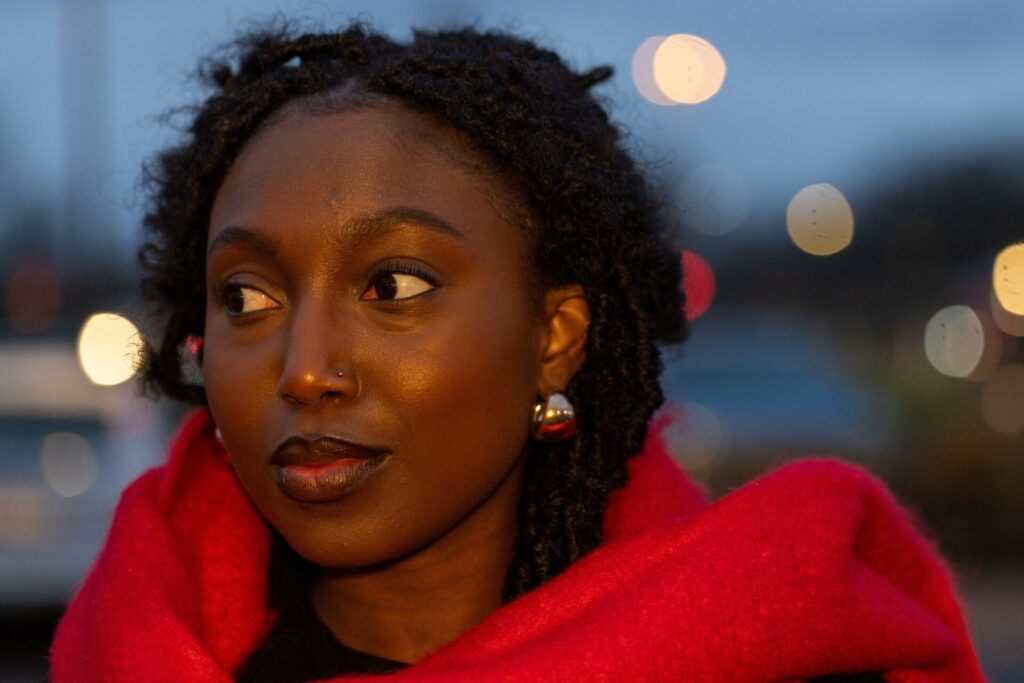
(566, 317)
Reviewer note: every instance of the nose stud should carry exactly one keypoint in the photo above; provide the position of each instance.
(313, 387)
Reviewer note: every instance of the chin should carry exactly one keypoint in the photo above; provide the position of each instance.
(326, 545)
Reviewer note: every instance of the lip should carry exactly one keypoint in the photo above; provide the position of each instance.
(323, 468)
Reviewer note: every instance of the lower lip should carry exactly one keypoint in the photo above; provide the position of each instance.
(325, 482)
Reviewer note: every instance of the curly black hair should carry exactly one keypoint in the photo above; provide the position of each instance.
(598, 222)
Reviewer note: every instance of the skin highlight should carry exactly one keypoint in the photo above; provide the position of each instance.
(319, 221)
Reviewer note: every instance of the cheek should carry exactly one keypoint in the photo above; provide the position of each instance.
(461, 393)
(470, 381)
(234, 376)
(240, 383)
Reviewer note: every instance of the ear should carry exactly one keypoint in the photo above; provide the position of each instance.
(566, 319)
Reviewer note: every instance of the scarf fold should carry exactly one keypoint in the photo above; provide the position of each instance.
(810, 570)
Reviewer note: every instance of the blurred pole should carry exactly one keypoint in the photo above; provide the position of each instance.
(86, 228)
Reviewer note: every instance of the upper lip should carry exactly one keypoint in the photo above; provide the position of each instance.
(311, 450)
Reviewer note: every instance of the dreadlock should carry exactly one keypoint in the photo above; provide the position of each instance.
(595, 218)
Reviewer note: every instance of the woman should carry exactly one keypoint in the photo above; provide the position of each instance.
(426, 288)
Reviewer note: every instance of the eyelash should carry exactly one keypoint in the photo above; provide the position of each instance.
(402, 267)
(228, 288)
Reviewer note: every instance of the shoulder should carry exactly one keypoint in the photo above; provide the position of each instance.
(829, 507)
(824, 487)
(827, 474)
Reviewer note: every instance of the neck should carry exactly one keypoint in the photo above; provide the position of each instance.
(405, 609)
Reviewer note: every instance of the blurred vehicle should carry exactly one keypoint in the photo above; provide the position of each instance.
(753, 387)
(67, 449)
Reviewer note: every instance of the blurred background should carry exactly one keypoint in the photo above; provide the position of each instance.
(849, 178)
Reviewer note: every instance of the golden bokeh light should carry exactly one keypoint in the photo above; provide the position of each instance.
(677, 69)
(108, 349)
(1009, 323)
(819, 220)
(954, 341)
(1008, 278)
(1002, 400)
(688, 69)
(643, 71)
(68, 464)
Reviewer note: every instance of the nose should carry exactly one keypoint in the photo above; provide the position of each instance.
(315, 367)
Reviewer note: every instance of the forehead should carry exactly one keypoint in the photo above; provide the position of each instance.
(358, 160)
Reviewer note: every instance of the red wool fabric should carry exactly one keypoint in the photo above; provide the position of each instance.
(810, 570)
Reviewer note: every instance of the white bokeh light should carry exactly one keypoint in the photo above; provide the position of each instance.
(68, 463)
(108, 349)
(954, 341)
(696, 437)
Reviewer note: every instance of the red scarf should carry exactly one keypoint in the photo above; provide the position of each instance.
(810, 570)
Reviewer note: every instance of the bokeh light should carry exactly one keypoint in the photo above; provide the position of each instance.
(695, 436)
(992, 350)
(1002, 400)
(34, 297)
(1008, 278)
(715, 199)
(68, 464)
(954, 341)
(819, 220)
(643, 71)
(27, 517)
(108, 348)
(678, 69)
(698, 283)
(193, 344)
(1009, 323)
(688, 69)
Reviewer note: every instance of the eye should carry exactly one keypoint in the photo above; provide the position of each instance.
(393, 285)
(240, 299)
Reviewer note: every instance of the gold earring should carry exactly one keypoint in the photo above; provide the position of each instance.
(554, 419)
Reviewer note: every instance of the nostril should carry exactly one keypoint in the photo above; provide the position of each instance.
(291, 399)
(308, 394)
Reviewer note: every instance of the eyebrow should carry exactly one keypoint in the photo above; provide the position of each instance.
(372, 224)
(360, 227)
(243, 237)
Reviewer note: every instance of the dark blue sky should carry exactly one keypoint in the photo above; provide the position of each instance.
(836, 92)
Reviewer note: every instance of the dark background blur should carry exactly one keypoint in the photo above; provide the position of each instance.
(894, 352)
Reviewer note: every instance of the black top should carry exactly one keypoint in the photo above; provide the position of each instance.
(300, 648)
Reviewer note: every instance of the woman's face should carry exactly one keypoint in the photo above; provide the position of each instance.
(351, 243)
